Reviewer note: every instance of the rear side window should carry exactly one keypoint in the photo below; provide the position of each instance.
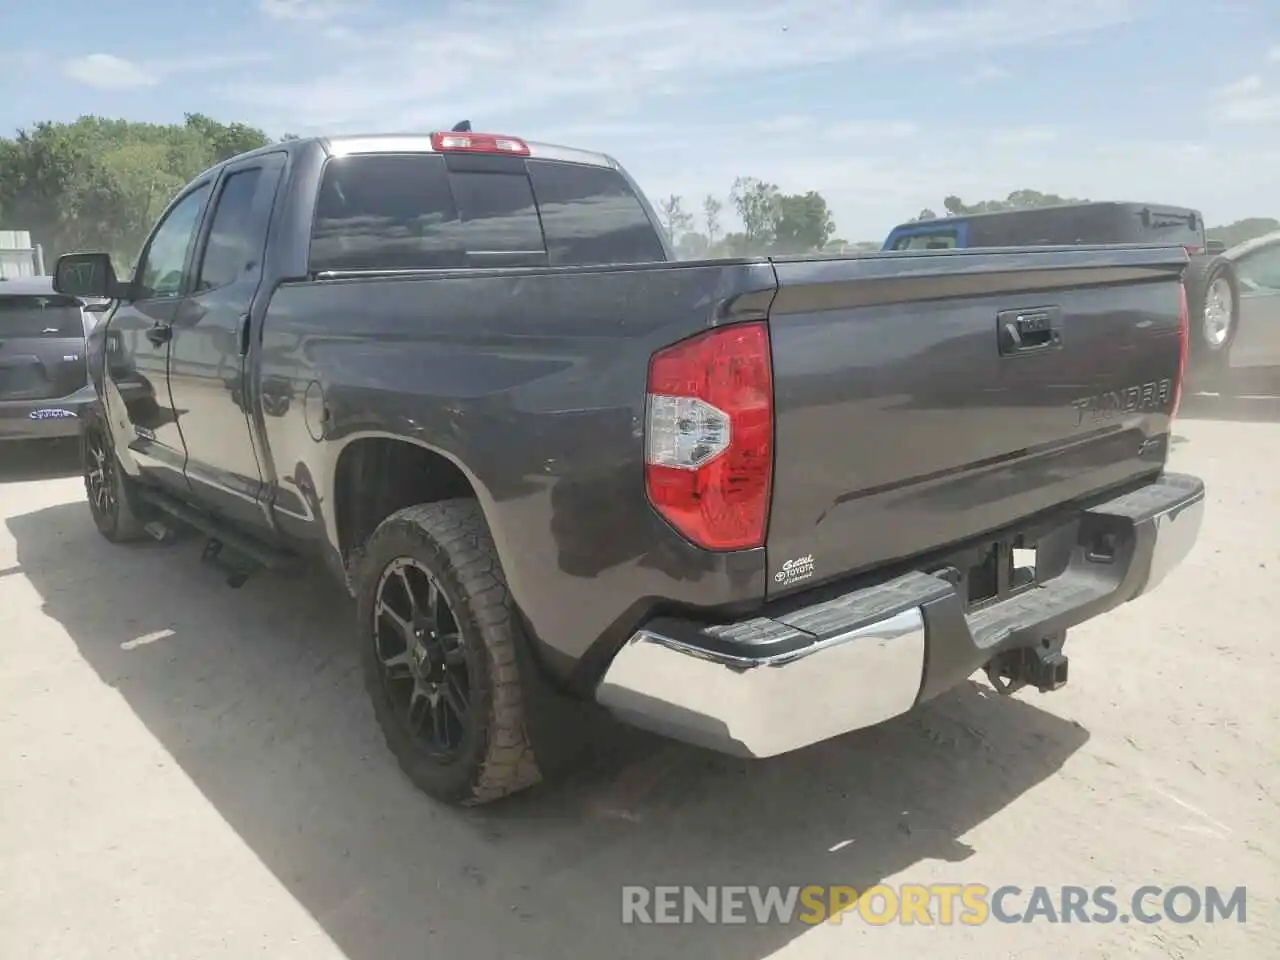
(590, 215)
(386, 212)
(50, 316)
(232, 239)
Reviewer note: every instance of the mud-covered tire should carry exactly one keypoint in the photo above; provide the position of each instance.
(1209, 280)
(451, 542)
(113, 499)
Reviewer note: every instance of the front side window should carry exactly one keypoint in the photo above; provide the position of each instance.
(1261, 269)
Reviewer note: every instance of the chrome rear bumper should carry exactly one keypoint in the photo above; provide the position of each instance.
(777, 683)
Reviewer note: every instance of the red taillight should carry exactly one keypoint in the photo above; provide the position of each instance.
(709, 436)
(478, 143)
(1192, 249)
(1184, 343)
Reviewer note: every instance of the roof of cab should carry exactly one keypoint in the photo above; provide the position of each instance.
(421, 143)
(408, 143)
(1027, 211)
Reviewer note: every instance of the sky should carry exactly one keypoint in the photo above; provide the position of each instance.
(882, 106)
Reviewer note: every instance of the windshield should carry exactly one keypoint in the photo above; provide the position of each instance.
(40, 316)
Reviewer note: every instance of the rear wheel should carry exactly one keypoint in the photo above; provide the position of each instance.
(439, 636)
(111, 496)
(1213, 304)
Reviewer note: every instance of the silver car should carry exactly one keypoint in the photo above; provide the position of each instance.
(1256, 348)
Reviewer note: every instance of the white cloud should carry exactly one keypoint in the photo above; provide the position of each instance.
(1023, 136)
(862, 131)
(1246, 101)
(1274, 53)
(109, 72)
(1249, 84)
(988, 73)
(305, 10)
(626, 78)
(585, 57)
(810, 128)
(1264, 109)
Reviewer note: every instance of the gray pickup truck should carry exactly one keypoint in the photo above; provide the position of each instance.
(751, 504)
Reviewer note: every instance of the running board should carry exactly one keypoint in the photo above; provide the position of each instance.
(263, 554)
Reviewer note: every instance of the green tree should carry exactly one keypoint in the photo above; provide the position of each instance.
(1017, 200)
(693, 246)
(676, 221)
(756, 203)
(711, 208)
(802, 223)
(98, 183)
(1243, 230)
(225, 140)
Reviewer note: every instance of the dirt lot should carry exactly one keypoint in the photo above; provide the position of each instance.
(191, 771)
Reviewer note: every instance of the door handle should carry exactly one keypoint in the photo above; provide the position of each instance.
(160, 334)
(1021, 332)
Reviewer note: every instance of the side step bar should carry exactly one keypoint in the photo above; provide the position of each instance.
(265, 555)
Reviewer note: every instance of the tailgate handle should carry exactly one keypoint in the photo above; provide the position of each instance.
(1034, 330)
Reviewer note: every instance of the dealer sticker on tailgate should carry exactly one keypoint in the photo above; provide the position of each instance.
(793, 571)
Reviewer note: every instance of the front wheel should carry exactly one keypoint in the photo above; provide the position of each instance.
(439, 634)
(110, 492)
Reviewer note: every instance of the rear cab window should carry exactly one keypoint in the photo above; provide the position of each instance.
(941, 240)
(1183, 227)
(48, 316)
(425, 211)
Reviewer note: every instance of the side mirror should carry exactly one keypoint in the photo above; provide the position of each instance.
(1214, 246)
(87, 276)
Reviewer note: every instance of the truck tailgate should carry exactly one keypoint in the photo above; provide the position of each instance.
(923, 399)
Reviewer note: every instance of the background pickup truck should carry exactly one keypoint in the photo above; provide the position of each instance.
(751, 504)
(1212, 281)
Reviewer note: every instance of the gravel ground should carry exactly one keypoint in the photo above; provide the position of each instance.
(190, 771)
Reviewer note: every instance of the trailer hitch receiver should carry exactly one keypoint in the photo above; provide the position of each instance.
(1043, 666)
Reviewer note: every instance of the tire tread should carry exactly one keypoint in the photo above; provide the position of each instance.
(454, 532)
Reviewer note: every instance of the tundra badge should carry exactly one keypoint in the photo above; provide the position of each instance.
(1134, 398)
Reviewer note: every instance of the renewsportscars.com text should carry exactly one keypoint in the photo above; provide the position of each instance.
(939, 904)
